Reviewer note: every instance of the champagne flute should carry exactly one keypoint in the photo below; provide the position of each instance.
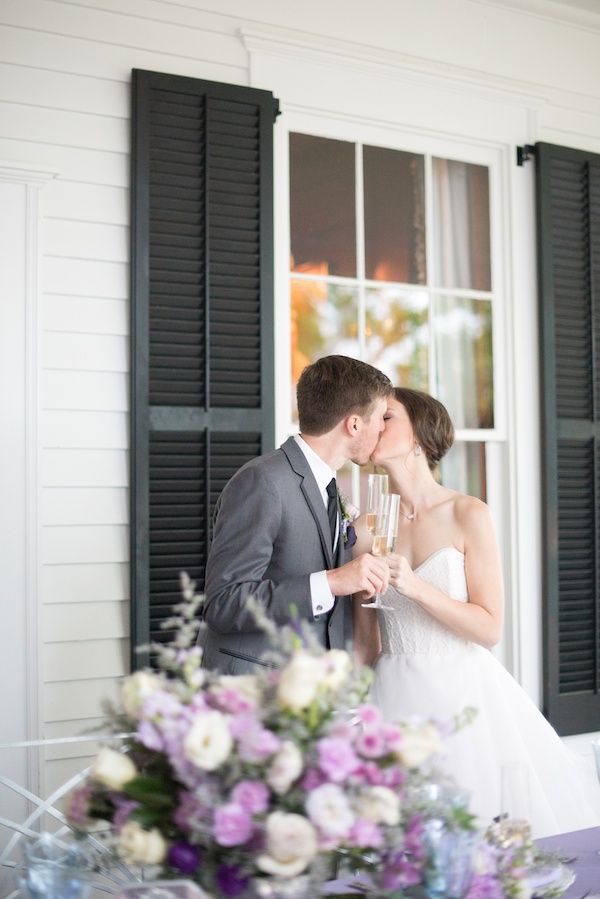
(384, 537)
(377, 486)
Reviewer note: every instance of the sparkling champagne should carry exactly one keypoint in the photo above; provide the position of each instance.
(371, 519)
(382, 546)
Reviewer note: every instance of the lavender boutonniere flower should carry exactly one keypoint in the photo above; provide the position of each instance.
(349, 513)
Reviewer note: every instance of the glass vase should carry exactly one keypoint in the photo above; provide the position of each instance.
(449, 868)
(53, 870)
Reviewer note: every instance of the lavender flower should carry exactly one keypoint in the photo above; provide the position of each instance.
(252, 795)
(232, 825)
(337, 759)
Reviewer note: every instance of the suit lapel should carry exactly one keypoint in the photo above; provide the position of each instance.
(309, 488)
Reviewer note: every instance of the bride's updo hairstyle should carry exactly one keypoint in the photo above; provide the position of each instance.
(430, 422)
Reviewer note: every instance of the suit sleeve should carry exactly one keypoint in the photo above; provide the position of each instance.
(247, 523)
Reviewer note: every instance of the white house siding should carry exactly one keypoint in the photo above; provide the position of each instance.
(64, 104)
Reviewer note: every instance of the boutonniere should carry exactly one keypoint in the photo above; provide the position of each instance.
(349, 513)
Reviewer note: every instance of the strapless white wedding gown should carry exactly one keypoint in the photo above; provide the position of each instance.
(427, 671)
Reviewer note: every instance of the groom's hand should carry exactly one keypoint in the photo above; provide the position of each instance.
(366, 575)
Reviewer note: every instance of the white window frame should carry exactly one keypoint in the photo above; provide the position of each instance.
(500, 450)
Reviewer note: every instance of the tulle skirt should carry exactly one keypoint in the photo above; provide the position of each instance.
(508, 737)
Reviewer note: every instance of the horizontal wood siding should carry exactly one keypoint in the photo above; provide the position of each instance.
(65, 73)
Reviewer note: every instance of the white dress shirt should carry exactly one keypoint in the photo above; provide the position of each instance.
(321, 596)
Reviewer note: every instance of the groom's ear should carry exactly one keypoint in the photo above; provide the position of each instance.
(352, 425)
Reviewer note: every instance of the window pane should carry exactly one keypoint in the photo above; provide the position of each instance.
(463, 468)
(397, 335)
(322, 206)
(461, 202)
(324, 321)
(394, 189)
(463, 352)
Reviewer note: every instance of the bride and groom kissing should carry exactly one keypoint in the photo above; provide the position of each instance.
(279, 536)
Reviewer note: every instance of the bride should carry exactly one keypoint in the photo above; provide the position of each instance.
(431, 649)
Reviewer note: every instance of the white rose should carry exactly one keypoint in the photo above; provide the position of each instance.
(299, 681)
(285, 768)
(208, 741)
(418, 745)
(113, 769)
(244, 684)
(337, 668)
(141, 847)
(379, 805)
(291, 845)
(135, 689)
(329, 809)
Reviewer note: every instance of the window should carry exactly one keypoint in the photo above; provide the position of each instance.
(391, 262)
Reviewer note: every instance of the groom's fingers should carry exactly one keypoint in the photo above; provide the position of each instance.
(365, 574)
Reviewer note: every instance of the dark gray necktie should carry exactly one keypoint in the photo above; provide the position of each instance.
(332, 508)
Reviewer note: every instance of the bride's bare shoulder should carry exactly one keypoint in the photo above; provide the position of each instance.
(469, 511)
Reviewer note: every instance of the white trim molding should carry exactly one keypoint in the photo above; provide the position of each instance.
(33, 179)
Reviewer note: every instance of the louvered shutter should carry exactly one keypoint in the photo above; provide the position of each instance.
(202, 320)
(568, 205)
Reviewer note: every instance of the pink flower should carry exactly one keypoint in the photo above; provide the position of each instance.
(371, 744)
(255, 742)
(232, 825)
(252, 795)
(369, 773)
(366, 833)
(392, 736)
(336, 758)
(369, 715)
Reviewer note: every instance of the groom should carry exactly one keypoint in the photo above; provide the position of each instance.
(278, 533)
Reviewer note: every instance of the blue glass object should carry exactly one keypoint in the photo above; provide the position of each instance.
(449, 860)
(53, 870)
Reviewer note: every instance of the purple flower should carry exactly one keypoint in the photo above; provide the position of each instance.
(149, 735)
(230, 880)
(191, 811)
(184, 857)
(232, 825)
(350, 536)
(485, 886)
(312, 779)
(123, 809)
(366, 834)
(336, 758)
(78, 804)
(255, 743)
(252, 795)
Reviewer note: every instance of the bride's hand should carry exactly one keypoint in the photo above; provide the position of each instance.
(402, 577)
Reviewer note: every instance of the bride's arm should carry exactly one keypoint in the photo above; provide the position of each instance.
(480, 619)
(366, 641)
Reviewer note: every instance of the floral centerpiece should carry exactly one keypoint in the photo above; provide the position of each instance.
(256, 785)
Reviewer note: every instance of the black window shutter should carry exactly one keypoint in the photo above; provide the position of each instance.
(568, 208)
(202, 392)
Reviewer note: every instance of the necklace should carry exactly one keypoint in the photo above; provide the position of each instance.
(408, 515)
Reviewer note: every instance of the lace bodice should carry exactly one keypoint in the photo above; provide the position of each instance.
(409, 629)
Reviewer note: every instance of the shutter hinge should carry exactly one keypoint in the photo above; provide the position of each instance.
(527, 151)
(276, 109)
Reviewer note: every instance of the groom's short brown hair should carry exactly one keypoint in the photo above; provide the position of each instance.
(334, 387)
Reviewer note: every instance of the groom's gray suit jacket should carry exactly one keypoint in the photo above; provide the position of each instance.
(271, 532)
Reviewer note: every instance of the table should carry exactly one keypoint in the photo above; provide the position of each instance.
(583, 846)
